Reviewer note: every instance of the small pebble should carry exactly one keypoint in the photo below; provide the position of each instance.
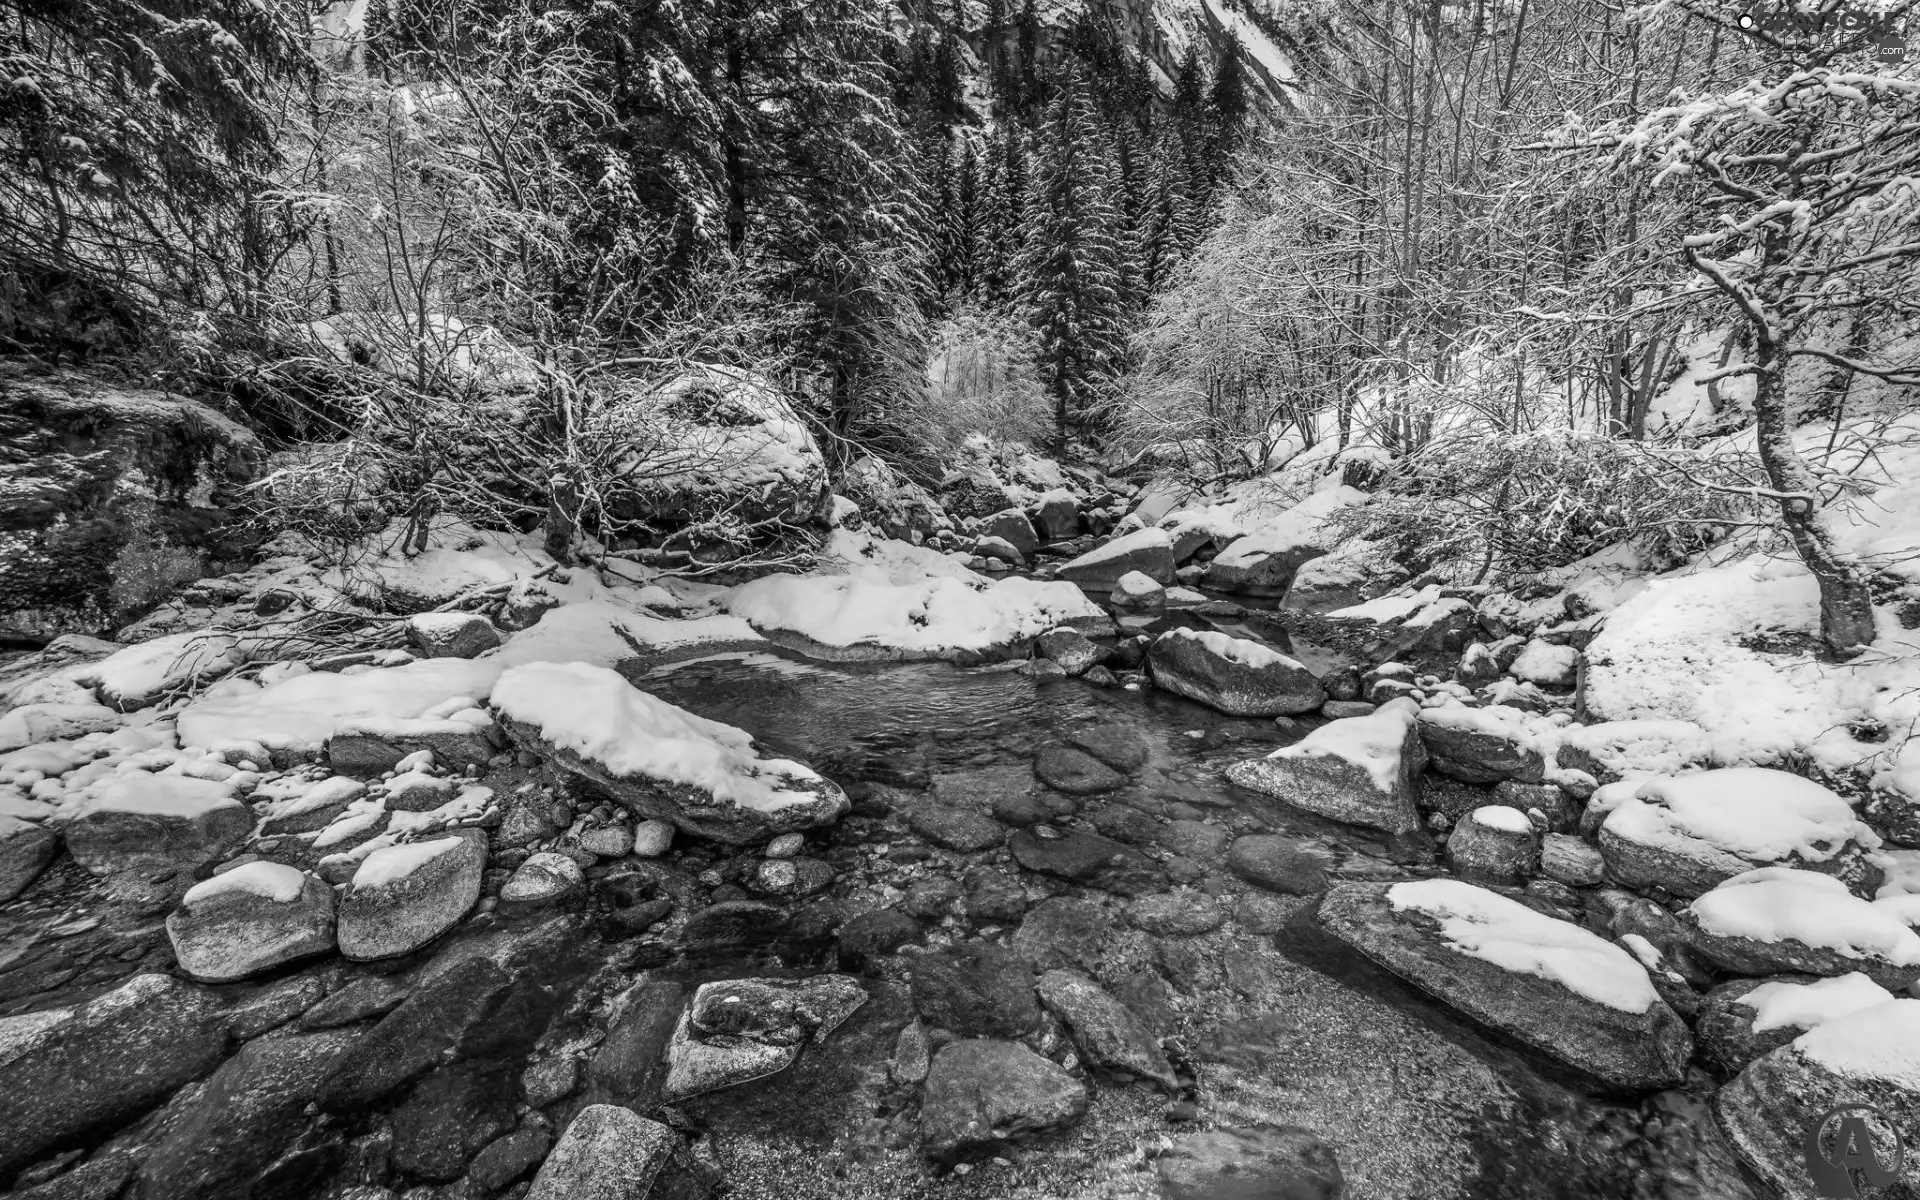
(785, 846)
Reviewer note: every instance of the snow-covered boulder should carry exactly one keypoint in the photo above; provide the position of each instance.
(1494, 844)
(661, 761)
(1744, 1018)
(452, 635)
(1136, 591)
(1546, 665)
(1552, 985)
(245, 920)
(1777, 1105)
(1360, 770)
(1057, 515)
(402, 897)
(1351, 573)
(1234, 675)
(1777, 920)
(142, 827)
(1148, 551)
(1074, 651)
(1613, 750)
(25, 851)
(32, 724)
(1486, 745)
(546, 880)
(1690, 833)
(1263, 562)
(141, 675)
(457, 732)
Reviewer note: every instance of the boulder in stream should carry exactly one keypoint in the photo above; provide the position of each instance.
(1360, 770)
(982, 1094)
(1238, 677)
(1148, 551)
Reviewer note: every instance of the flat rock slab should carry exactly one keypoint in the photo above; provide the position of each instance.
(149, 826)
(405, 896)
(981, 1095)
(1109, 1036)
(607, 1153)
(1121, 747)
(1277, 864)
(956, 829)
(1628, 1051)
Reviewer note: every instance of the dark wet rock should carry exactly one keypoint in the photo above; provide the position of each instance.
(67, 1071)
(25, 851)
(1075, 771)
(1481, 745)
(1063, 932)
(630, 1067)
(545, 881)
(1022, 808)
(734, 923)
(1334, 710)
(512, 1155)
(1176, 914)
(365, 754)
(981, 1095)
(367, 996)
(1641, 1050)
(252, 918)
(1250, 1163)
(790, 878)
(252, 1111)
(1110, 1038)
(1259, 913)
(994, 897)
(606, 1153)
(404, 896)
(879, 932)
(1561, 810)
(1193, 839)
(278, 1003)
(449, 1117)
(976, 990)
(1494, 844)
(1124, 823)
(1147, 996)
(1724, 1026)
(1234, 675)
(451, 635)
(1121, 747)
(1769, 1109)
(955, 829)
(1277, 864)
(1074, 651)
(1087, 858)
(1360, 770)
(146, 827)
(1058, 515)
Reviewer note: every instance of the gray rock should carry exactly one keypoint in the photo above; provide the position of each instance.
(696, 1065)
(449, 1117)
(976, 990)
(366, 753)
(1334, 710)
(734, 923)
(452, 635)
(1058, 516)
(1193, 839)
(981, 1095)
(1724, 1025)
(1148, 551)
(546, 880)
(790, 878)
(251, 1111)
(368, 996)
(1769, 1109)
(1363, 774)
(1110, 1038)
(995, 549)
(955, 828)
(608, 841)
(879, 932)
(1570, 860)
(152, 826)
(1239, 677)
(787, 845)
(1561, 809)
(25, 851)
(511, 1155)
(1790, 956)
(1087, 858)
(1011, 526)
(249, 919)
(1250, 1163)
(607, 1153)
(1074, 771)
(1630, 1051)
(1494, 844)
(1073, 650)
(1473, 746)
(1063, 932)
(401, 899)
(67, 1071)
(994, 897)
(1120, 746)
(777, 1012)
(1176, 914)
(651, 839)
(1259, 913)
(1277, 864)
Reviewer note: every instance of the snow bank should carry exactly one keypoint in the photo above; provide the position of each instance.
(1881, 1043)
(1756, 814)
(1512, 936)
(298, 715)
(598, 715)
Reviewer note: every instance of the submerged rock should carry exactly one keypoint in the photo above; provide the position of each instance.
(1109, 1036)
(661, 761)
(1253, 1163)
(976, 990)
(1360, 770)
(1234, 675)
(1277, 864)
(607, 1153)
(983, 1094)
(1074, 771)
(1550, 984)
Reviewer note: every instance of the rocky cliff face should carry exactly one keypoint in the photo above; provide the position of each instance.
(111, 499)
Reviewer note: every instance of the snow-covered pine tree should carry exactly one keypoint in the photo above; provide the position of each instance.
(1172, 225)
(960, 221)
(998, 224)
(1071, 261)
(1226, 115)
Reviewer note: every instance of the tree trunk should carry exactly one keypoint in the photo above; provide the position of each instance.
(1846, 607)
